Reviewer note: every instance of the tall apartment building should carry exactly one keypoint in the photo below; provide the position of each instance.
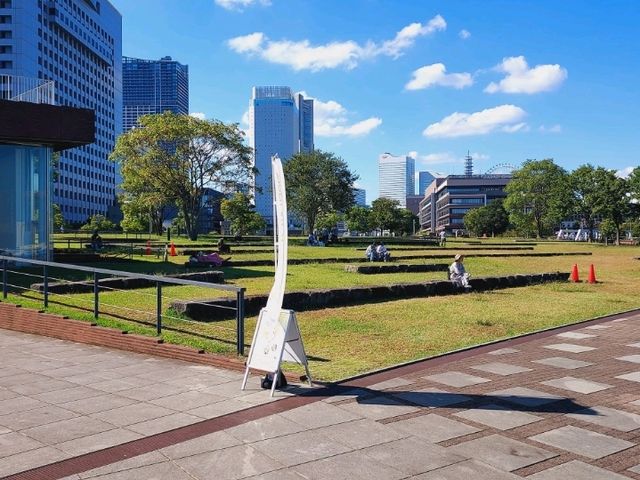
(396, 177)
(280, 122)
(78, 45)
(153, 86)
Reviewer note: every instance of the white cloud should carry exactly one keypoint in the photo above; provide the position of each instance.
(302, 55)
(240, 5)
(245, 118)
(435, 74)
(504, 117)
(198, 115)
(522, 79)
(438, 158)
(413, 154)
(464, 34)
(518, 127)
(247, 43)
(331, 119)
(625, 172)
(552, 129)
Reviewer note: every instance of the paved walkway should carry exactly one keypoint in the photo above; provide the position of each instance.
(559, 406)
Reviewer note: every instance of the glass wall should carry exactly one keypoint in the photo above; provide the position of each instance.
(25, 211)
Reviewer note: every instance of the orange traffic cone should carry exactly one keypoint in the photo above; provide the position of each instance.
(592, 274)
(172, 252)
(574, 273)
(148, 249)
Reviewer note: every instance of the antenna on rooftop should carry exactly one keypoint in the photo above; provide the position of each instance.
(468, 165)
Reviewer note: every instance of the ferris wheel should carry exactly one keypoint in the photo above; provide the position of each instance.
(502, 168)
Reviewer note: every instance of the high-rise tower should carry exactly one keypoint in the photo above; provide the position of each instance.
(153, 86)
(279, 123)
(78, 45)
(396, 177)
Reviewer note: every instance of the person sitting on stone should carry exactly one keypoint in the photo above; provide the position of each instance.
(383, 253)
(372, 252)
(457, 273)
(96, 241)
(223, 247)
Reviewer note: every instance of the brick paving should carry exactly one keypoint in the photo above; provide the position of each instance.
(561, 405)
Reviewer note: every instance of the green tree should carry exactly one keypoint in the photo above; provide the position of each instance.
(634, 183)
(385, 213)
(538, 197)
(241, 213)
(98, 222)
(172, 159)
(492, 219)
(607, 229)
(359, 219)
(58, 219)
(318, 182)
(612, 199)
(584, 186)
(136, 216)
(407, 221)
(329, 220)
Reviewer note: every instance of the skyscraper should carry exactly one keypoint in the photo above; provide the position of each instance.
(279, 123)
(396, 177)
(153, 86)
(360, 197)
(424, 180)
(78, 45)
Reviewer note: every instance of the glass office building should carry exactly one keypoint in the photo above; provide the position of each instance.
(279, 123)
(396, 176)
(78, 45)
(153, 86)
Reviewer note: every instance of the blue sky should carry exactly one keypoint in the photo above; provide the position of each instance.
(507, 80)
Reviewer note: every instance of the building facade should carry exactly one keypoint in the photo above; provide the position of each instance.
(396, 176)
(32, 129)
(424, 180)
(153, 86)
(78, 45)
(360, 197)
(448, 199)
(279, 123)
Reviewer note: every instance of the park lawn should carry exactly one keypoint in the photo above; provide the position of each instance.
(346, 341)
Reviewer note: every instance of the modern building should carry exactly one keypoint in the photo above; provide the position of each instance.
(424, 180)
(447, 199)
(279, 123)
(396, 177)
(413, 203)
(78, 45)
(153, 86)
(360, 197)
(31, 130)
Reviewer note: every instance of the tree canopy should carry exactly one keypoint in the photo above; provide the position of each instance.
(385, 213)
(491, 219)
(318, 183)
(241, 213)
(359, 219)
(172, 159)
(538, 196)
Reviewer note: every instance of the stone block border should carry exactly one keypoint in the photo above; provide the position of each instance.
(124, 283)
(304, 261)
(27, 320)
(319, 299)
(396, 268)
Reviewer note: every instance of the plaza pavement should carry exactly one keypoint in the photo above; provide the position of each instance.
(558, 405)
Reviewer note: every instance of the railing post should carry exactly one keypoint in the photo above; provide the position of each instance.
(159, 307)
(4, 278)
(95, 295)
(240, 321)
(45, 276)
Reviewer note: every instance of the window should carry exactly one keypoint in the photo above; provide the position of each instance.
(467, 201)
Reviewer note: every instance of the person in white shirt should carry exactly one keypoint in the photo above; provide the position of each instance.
(457, 273)
(383, 253)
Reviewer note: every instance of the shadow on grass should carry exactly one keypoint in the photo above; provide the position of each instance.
(233, 273)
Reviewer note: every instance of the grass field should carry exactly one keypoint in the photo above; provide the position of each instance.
(350, 340)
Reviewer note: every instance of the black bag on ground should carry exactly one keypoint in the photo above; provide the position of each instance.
(267, 381)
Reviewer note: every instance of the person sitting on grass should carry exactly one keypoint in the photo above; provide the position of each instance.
(457, 273)
(372, 252)
(383, 253)
(211, 258)
(96, 241)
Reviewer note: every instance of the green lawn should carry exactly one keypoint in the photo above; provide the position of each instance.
(349, 340)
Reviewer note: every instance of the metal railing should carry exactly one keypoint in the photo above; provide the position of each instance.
(27, 89)
(7, 261)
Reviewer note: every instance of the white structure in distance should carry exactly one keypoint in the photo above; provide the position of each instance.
(396, 176)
